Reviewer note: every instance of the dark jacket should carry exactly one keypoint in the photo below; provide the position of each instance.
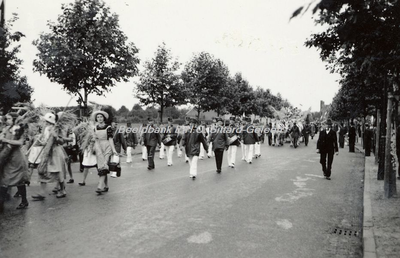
(119, 140)
(151, 138)
(232, 131)
(295, 131)
(306, 129)
(249, 135)
(327, 142)
(191, 141)
(352, 133)
(172, 133)
(131, 139)
(219, 140)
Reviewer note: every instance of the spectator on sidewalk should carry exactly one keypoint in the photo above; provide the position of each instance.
(352, 137)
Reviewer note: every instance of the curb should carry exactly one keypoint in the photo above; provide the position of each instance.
(369, 246)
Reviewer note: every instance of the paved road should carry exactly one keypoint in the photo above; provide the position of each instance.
(279, 206)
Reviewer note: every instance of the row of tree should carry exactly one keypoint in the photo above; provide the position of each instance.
(87, 53)
(362, 44)
(205, 83)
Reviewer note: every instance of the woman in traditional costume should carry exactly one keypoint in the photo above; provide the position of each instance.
(53, 165)
(104, 148)
(13, 165)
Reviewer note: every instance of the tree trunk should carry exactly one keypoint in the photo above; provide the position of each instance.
(389, 181)
(161, 113)
(85, 100)
(377, 133)
(382, 136)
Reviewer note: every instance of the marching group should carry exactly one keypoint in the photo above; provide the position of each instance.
(51, 149)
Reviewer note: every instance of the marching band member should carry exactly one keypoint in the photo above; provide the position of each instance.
(131, 141)
(220, 142)
(212, 128)
(249, 139)
(191, 141)
(234, 142)
(257, 146)
(169, 140)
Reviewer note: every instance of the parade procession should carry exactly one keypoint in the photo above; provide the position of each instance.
(183, 128)
(47, 142)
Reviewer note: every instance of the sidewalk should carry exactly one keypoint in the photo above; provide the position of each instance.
(381, 222)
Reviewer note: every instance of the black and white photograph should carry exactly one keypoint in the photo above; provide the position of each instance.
(199, 128)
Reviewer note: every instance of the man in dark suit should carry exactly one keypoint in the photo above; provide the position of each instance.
(327, 146)
(151, 139)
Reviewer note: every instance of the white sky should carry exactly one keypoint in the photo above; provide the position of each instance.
(253, 37)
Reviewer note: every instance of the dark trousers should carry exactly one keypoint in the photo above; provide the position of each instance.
(326, 168)
(352, 142)
(80, 161)
(219, 153)
(270, 139)
(151, 151)
(306, 138)
(341, 141)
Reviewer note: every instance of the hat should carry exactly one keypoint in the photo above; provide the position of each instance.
(50, 117)
(95, 113)
(329, 122)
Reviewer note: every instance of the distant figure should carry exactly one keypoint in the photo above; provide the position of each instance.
(368, 138)
(352, 137)
(342, 133)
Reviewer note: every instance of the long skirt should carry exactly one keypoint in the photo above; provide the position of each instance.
(103, 155)
(15, 169)
(56, 166)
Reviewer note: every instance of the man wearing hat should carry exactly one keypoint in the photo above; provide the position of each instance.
(151, 138)
(326, 146)
(220, 142)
